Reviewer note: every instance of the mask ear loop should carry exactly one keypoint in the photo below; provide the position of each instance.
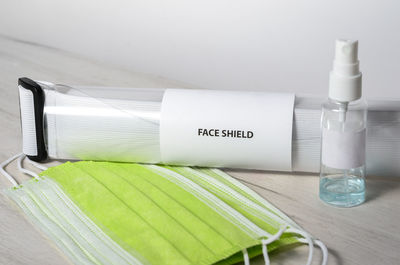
(306, 239)
(324, 250)
(20, 157)
(23, 170)
(37, 165)
(265, 242)
(246, 258)
(4, 172)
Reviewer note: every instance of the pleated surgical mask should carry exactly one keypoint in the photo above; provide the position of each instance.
(124, 213)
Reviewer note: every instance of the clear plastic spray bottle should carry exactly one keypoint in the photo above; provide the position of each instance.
(343, 124)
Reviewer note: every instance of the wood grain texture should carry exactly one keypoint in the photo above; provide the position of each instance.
(368, 234)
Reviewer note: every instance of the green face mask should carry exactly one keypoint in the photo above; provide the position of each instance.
(122, 213)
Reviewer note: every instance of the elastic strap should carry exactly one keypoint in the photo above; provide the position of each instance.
(306, 239)
(37, 165)
(324, 251)
(23, 170)
(321, 245)
(265, 242)
(20, 158)
(4, 172)
(246, 258)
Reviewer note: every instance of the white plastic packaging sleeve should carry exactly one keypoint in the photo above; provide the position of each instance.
(123, 124)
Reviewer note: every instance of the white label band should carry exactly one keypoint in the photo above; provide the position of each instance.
(227, 129)
(343, 150)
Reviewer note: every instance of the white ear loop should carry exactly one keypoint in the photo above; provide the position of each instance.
(246, 257)
(324, 251)
(23, 170)
(265, 242)
(4, 172)
(37, 165)
(20, 157)
(306, 239)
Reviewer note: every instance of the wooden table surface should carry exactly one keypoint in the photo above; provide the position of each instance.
(368, 234)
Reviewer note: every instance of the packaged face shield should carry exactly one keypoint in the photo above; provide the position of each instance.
(252, 130)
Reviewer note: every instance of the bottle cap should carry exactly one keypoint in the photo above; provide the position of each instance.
(345, 77)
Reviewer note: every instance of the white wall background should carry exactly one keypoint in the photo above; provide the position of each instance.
(282, 45)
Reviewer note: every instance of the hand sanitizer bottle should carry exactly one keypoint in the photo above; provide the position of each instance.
(343, 124)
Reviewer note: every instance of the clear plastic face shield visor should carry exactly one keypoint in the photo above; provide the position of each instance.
(191, 127)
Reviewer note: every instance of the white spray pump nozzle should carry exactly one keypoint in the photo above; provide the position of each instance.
(345, 77)
(346, 52)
